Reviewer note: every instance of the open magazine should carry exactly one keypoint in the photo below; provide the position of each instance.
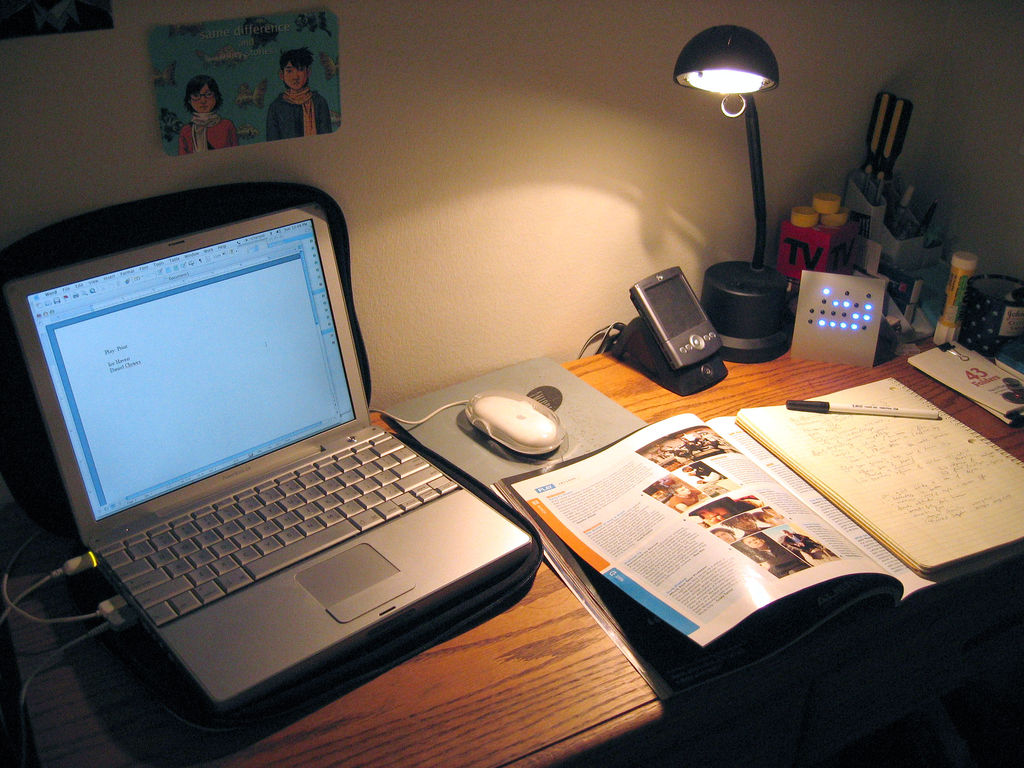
(691, 527)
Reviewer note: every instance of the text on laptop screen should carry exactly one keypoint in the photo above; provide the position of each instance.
(173, 370)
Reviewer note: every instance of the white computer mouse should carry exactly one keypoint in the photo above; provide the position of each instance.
(516, 421)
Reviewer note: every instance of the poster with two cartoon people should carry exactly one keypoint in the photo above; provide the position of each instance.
(243, 81)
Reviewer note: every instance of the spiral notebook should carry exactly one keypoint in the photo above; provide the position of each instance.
(934, 492)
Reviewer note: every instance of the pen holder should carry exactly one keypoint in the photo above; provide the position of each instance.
(875, 239)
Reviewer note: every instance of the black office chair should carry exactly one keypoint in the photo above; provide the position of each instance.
(26, 460)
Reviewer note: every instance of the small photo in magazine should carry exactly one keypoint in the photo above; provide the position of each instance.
(761, 512)
(770, 555)
(747, 515)
(675, 493)
(684, 447)
(798, 542)
(707, 479)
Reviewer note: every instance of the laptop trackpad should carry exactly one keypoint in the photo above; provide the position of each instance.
(354, 582)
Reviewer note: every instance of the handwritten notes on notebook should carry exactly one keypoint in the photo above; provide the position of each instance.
(933, 492)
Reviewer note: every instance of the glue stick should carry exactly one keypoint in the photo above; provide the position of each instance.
(961, 267)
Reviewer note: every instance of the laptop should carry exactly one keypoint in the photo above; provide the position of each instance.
(205, 406)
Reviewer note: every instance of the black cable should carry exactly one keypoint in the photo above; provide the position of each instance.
(46, 664)
(611, 337)
(608, 334)
(110, 610)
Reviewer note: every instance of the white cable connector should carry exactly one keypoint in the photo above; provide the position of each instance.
(70, 567)
(79, 564)
(117, 613)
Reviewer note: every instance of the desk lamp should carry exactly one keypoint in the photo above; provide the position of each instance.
(744, 301)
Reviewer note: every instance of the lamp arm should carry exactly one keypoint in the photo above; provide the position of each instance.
(756, 181)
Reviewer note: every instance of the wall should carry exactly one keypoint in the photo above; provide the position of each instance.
(972, 159)
(509, 168)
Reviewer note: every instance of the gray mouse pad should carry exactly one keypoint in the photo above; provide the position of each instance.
(591, 420)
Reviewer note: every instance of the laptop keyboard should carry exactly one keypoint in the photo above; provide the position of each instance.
(192, 561)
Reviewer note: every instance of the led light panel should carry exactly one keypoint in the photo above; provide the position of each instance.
(838, 318)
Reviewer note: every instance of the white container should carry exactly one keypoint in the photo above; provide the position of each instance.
(908, 254)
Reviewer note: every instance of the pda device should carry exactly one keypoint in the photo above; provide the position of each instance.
(672, 314)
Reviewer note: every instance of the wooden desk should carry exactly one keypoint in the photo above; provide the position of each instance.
(541, 684)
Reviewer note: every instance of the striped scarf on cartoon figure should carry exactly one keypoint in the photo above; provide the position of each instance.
(304, 98)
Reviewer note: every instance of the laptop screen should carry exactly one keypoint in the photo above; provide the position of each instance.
(172, 370)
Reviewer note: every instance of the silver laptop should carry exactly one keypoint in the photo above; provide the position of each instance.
(204, 402)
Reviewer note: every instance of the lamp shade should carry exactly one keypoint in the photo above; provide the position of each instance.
(727, 59)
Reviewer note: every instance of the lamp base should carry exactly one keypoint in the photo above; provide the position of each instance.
(747, 306)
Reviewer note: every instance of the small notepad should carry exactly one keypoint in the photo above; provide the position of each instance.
(934, 492)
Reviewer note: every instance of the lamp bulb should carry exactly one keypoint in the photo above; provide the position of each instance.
(725, 81)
